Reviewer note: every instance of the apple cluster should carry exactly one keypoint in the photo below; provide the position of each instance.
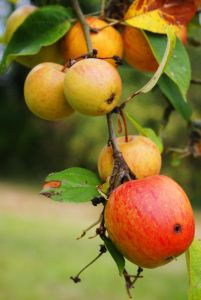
(149, 219)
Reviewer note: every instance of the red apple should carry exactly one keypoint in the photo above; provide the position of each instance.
(150, 220)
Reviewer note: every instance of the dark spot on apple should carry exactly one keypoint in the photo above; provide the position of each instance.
(169, 258)
(111, 98)
(177, 228)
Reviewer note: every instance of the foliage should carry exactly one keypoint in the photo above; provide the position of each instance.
(194, 270)
(73, 184)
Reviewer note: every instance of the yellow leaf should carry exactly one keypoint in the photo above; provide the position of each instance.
(151, 21)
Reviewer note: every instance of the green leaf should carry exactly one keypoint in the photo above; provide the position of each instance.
(171, 91)
(71, 185)
(116, 255)
(165, 59)
(178, 68)
(193, 259)
(148, 132)
(41, 28)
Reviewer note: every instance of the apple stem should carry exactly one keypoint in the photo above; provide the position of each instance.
(121, 171)
(119, 124)
(125, 124)
(85, 26)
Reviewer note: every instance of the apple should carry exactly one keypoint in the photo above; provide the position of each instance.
(48, 53)
(140, 153)
(150, 220)
(108, 41)
(92, 86)
(44, 92)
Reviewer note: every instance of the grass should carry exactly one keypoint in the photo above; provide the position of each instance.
(39, 252)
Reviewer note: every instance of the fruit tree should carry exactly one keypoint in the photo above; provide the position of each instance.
(75, 58)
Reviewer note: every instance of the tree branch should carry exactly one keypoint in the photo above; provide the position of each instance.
(102, 8)
(85, 26)
(121, 171)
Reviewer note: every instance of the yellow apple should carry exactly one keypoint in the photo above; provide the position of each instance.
(140, 153)
(92, 86)
(44, 92)
(108, 41)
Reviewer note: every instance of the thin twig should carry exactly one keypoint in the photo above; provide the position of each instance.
(76, 278)
(115, 21)
(129, 98)
(90, 227)
(85, 26)
(109, 25)
(196, 81)
(194, 42)
(130, 280)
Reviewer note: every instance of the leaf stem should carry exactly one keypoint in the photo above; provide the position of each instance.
(85, 26)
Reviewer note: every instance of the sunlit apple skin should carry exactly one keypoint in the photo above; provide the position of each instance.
(46, 54)
(137, 51)
(92, 86)
(150, 220)
(108, 41)
(43, 92)
(140, 153)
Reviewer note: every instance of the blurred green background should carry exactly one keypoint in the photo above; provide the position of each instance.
(38, 250)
